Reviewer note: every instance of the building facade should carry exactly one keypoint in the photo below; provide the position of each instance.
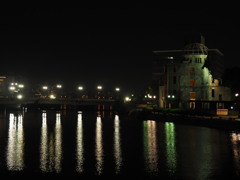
(2, 86)
(190, 77)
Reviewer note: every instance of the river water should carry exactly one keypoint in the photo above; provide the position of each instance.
(100, 144)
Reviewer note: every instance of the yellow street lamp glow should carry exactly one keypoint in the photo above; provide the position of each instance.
(80, 88)
(21, 86)
(127, 99)
(59, 86)
(12, 88)
(19, 96)
(52, 96)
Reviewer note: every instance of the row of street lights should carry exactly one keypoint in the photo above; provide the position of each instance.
(56, 91)
(52, 91)
(59, 86)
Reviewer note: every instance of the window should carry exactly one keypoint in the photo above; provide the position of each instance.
(174, 69)
(174, 79)
(192, 95)
(220, 97)
(213, 93)
(165, 68)
(192, 70)
(193, 82)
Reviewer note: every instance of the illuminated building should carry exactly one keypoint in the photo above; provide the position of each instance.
(190, 77)
(2, 85)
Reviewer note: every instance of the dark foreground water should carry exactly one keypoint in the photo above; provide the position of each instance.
(107, 145)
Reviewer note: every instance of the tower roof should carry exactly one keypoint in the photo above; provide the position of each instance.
(196, 48)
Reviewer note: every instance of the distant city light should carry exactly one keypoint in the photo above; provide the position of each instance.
(45, 87)
(127, 99)
(80, 88)
(19, 96)
(59, 86)
(117, 89)
(12, 88)
(171, 96)
(21, 86)
(52, 96)
(149, 96)
(99, 87)
(236, 94)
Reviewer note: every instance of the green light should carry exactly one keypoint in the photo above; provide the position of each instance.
(170, 146)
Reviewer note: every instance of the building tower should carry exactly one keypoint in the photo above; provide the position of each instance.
(190, 77)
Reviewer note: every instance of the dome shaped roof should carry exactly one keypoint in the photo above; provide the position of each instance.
(196, 48)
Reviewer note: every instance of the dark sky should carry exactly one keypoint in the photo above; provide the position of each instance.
(105, 46)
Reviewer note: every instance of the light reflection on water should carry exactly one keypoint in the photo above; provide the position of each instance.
(51, 146)
(99, 146)
(150, 146)
(117, 145)
(15, 147)
(170, 146)
(79, 142)
(111, 144)
(58, 143)
(235, 139)
(44, 144)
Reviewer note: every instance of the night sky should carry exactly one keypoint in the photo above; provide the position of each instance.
(112, 47)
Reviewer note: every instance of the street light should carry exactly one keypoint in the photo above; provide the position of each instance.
(99, 93)
(80, 88)
(170, 97)
(59, 86)
(21, 86)
(45, 87)
(117, 94)
(19, 96)
(127, 99)
(52, 96)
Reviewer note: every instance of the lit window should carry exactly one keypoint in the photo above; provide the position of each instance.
(213, 93)
(192, 95)
(192, 82)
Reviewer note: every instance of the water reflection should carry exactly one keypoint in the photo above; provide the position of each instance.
(58, 143)
(15, 147)
(170, 146)
(235, 138)
(51, 146)
(99, 146)
(117, 145)
(150, 146)
(44, 143)
(79, 148)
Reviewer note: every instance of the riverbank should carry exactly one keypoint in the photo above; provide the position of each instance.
(207, 119)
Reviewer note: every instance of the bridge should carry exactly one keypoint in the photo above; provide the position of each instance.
(61, 103)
